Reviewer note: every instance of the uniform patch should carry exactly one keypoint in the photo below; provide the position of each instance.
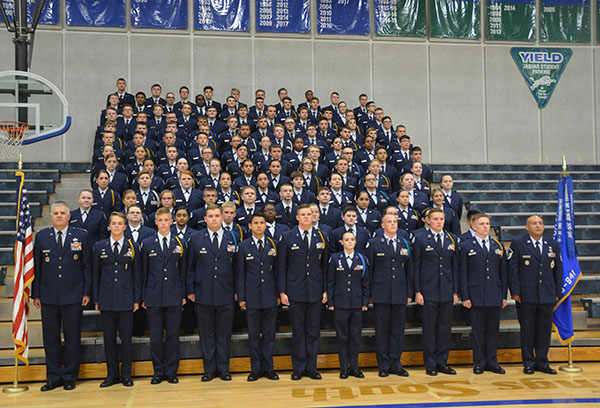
(75, 257)
(129, 253)
(230, 248)
(378, 254)
(498, 251)
(451, 247)
(177, 250)
(76, 246)
(320, 245)
(358, 268)
(551, 255)
(271, 252)
(404, 251)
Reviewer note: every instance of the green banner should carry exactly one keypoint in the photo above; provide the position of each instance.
(511, 20)
(455, 19)
(400, 18)
(541, 68)
(565, 21)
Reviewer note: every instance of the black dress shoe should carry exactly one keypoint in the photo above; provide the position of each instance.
(400, 372)
(495, 369)
(69, 385)
(109, 382)
(343, 374)
(477, 370)
(314, 375)
(49, 386)
(355, 372)
(253, 376)
(173, 380)
(383, 373)
(547, 370)
(431, 371)
(528, 370)
(208, 377)
(225, 376)
(272, 375)
(296, 375)
(127, 381)
(446, 369)
(157, 379)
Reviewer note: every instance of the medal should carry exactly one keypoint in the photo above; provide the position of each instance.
(526, 263)
(75, 257)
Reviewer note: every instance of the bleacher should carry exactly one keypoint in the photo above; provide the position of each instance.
(508, 193)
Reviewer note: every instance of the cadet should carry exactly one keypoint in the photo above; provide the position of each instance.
(483, 281)
(256, 276)
(436, 286)
(163, 295)
(211, 286)
(117, 285)
(535, 279)
(348, 297)
(62, 285)
(391, 280)
(302, 252)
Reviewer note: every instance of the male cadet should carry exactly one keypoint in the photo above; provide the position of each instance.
(535, 279)
(483, 281)
(391, 280)
(62, 285)
(163, 295)
(211, 285)
(117, 286)
(303, 255)
(93, 221)
(436, 286)
(256, 281)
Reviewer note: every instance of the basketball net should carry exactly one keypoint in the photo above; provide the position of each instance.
(11, 138)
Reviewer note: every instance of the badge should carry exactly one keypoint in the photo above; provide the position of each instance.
(230, 248)
(472, 253)
(403, 251)
(202, 252)
(320, 245)
(551, 255)
(47, 259)
(428, 248)
(498, 251)
(177, 250)
(526, 263)
(76, 246)
(249, 258)
(379, 254)
(451, 247)
(552, 264)
(294, 247)
(129, 253)
(75, 257)
(414, 217)
(271, 252)
(358, 268)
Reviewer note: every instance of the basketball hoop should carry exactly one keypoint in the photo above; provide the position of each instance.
(11, 138)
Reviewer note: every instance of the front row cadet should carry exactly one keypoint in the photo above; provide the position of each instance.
(391, 280)
(163, 295)
(211, 286)
(436, 286)
(535, 276)
(348, 297)
(483, 285)
(62, 285)
(117, 281)
(256, 281)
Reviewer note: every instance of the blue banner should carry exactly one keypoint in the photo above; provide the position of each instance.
(564, 234)
(159, 14)
(96, 13)
(50, 15)
(222, 15)
(343, 17)
(283, 16)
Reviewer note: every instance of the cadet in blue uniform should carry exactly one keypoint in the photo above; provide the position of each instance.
(91, 220)
(535, 279)
(62, 285)
(211, 286)
(436, 265)
(163, 295)
(256, 282)
(483, 281)
(391, 280)
(303, 255)
(106, 199)
(117, 286)
(348, 297)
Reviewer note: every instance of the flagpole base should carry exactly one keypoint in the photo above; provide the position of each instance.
(15, 389)
(571, 369)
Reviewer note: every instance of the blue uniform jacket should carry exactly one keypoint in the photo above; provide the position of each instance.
(390, 272)
(95, 224)
(348, 287)
(256, 275)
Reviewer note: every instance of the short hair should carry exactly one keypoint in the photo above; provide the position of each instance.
(389, 209)
(153, 85)
(134, 206)
(208, 87)
(224, 173)
(183, 87)
(435, 210)
(210, 207)
(180, 208)
(296, 174)
(348, 208)
(404, 137)
(303, 206)
(228, 204)
(209, 190)
(187, 173)
(257, 215)
(118, 215)
(111, 156)
(478, 216)
(348, 231)
(161, 211)
(60, 203)
(472, 213)
(415, 149)
(144, 172)
(323, 188)
(85, 190)
(247, 188)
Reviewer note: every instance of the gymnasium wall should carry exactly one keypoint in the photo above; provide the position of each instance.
(462, 101)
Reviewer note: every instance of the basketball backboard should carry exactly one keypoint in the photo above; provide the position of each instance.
(30, 98)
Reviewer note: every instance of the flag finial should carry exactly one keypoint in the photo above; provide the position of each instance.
(564, 166)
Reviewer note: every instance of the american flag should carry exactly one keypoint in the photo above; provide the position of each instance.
(24, 272)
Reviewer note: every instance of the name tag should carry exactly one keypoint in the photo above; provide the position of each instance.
(428, 248)
(339, 269)
(152, 254)
(472, 253)
(101, 256)
(294, 247)
(378, 254)
(46, 251)
(202, 252)
(249, 258)
(526, 256)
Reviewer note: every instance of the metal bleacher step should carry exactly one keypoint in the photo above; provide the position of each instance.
(528, 194)
(35, 334)
(531, 175)
(520, 218)
(6, 307)
(582, 232)
(530, 205)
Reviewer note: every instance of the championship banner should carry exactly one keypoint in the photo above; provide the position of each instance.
(159, 14)
(564, 234)
(541, 68)
(343, 17)
(96, 13)
(283, 16)
(401, 18)
(565, 21)
(222, 15)
(455, 19)
(50, 14)
(510, 20)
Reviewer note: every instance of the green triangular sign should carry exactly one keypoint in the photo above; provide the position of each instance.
(541, 68)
